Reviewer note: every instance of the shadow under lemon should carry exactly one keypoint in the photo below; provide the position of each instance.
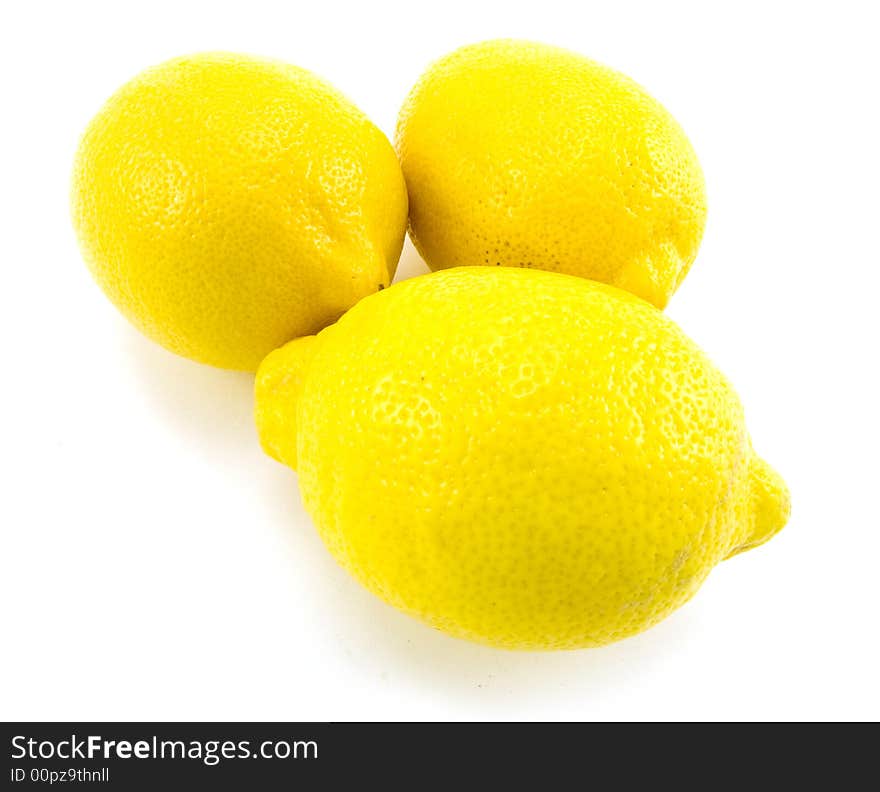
(211, 408)
(411, 264)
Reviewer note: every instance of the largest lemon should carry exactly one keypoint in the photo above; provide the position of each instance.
(227, 204)
(526, 155)
(522, 458)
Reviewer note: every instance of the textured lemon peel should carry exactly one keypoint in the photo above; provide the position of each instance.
(769, 503)
(276, 394)
(227, 204)
(520, 458)
(525, 155)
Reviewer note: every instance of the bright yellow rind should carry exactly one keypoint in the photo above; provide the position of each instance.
(277, 392)
(227, 204)
(520, 458)
(525, 155)
(768, 505)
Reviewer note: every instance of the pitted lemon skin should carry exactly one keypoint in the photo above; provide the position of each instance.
(227, 204)
(526, 155)
(521, 458)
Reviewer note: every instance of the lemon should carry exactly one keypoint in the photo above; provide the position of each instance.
(227, 204)
(526, 155)
(522, 458)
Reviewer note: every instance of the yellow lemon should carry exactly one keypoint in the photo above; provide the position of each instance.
(522, 458)
(227, 204)
(526, 155)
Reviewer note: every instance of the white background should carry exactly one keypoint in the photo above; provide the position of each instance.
(156, 565)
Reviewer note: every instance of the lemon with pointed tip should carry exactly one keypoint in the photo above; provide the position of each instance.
(227, 204)
(526, 155)
(522, 458)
